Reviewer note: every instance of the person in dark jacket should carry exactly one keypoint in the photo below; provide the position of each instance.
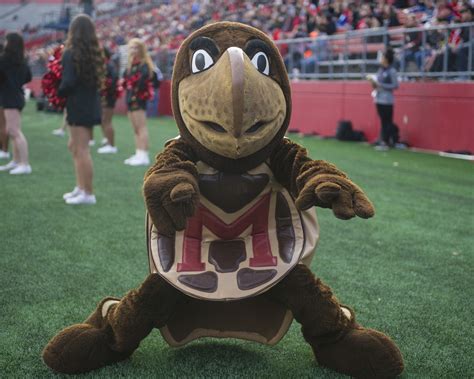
(14, 73)
(139, 90)
(109, 98)
(384, 83)
(83, 74)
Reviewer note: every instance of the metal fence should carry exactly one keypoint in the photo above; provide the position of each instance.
(354, 54)
(442, 52)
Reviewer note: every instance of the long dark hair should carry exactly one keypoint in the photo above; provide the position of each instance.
(87, 55)
(14, 49)
(389, 55)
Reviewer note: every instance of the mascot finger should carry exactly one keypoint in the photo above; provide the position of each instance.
(162, 220)
(182, 192)
(363, 207)
(307, 198)
(342, 207)
(328, 191)
(177, 215)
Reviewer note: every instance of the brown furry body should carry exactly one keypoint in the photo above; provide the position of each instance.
(171, 193)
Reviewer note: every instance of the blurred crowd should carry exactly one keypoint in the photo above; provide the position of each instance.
(164, 24)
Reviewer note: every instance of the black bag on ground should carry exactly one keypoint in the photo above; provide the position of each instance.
(345, 132)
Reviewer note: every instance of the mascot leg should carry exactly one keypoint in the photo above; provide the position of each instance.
(114, 330)
(338, 342)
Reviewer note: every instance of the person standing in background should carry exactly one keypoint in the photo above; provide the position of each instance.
(384, 83)
(61, 131)
(4, 154)
(109, 97)
(139, 88)
(14, 73)
(83, 75)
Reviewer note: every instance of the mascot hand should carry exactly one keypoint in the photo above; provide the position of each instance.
(171, 198)
(338, 193)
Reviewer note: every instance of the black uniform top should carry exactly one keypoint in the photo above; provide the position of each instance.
(12, 78)
(111, 89)
(133, 101)
(83, 101)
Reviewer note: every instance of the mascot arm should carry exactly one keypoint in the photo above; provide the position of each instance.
(171, 187)
(318, 183)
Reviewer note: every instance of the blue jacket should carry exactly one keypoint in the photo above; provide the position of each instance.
(387, 82)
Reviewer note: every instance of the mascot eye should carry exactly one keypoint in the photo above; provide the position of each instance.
(201, 61)
(260, 61)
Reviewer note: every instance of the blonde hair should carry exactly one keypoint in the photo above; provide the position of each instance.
(143, 55)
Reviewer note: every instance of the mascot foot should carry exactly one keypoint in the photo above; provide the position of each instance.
(84, 347)
(80, 348)
(361, 353)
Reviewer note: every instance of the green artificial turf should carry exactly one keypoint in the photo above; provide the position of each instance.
(407, 272)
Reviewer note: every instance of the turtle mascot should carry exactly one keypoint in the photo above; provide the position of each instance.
(231, 230)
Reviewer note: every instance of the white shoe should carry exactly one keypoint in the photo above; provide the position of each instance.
(76, 191)
(82, 198)
(58, 132)
(91, 142)
(138, 160)
(9, 166)
(21, 169)
(401, 146)
(107, 149)
(4, 154)
(381, 147)
(127, 161)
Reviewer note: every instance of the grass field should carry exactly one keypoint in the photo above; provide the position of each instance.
(408, 271)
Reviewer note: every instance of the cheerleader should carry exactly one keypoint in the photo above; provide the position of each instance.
(82, 76)
(4, 154)
(14, 73)
(137, 79)
(109, 97)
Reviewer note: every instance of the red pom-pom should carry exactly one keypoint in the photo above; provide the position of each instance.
(131, 84)
(148, 93)
(52, 79)
(109, 90)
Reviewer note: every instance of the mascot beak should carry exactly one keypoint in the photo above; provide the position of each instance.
(236, 66)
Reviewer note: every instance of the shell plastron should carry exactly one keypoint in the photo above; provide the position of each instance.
(246, 235)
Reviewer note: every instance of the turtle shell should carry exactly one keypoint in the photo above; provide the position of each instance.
(245, 236)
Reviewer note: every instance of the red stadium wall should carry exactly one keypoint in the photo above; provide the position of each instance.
(435, 116)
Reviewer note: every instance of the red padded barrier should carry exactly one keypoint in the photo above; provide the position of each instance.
(436, 116)
(164, 105)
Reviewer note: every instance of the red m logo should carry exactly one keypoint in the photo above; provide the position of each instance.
(256, 216)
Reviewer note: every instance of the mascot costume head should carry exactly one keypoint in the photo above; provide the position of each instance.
(231, 226)
(231, 95)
